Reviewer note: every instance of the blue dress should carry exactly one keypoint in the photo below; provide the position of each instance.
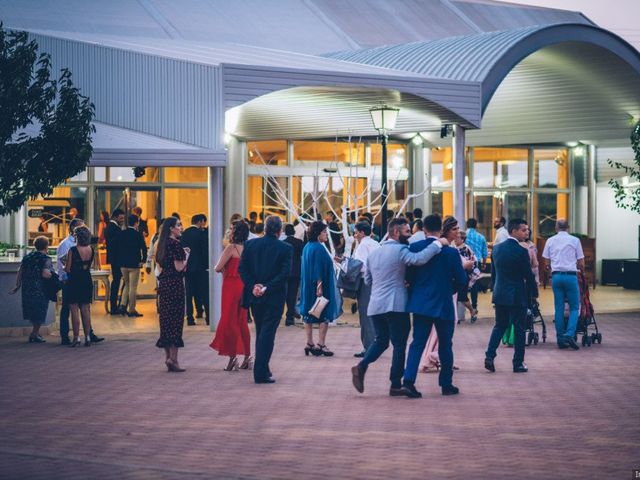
(317, 265)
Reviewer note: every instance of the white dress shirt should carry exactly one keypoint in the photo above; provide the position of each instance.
(299, 229)
(564, 251)
(364, 249)
(501, 236)
(61, 254)
(416, 237)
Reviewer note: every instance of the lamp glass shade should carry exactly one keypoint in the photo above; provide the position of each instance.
(384, 118)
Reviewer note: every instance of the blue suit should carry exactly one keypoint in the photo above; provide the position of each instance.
(431, 302)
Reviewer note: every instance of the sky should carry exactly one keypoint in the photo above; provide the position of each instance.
(620, 16)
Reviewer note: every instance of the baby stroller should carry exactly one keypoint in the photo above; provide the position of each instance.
(534, 316)
(587, 319)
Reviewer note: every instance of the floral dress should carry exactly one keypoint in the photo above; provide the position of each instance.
(171, 297)
(35, 303)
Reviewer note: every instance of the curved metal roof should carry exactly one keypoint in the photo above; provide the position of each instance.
(487, 57)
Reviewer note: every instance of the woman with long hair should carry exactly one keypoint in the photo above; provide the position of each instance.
(80, 285)
(318, 280)
(171, 259)
(232, 336)
(104, 221)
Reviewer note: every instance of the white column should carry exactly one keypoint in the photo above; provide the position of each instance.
(458, 174)
(591, 191)
(418, 175)
(216, 232)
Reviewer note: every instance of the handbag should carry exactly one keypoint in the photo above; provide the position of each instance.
(318, 307)
(52, 286)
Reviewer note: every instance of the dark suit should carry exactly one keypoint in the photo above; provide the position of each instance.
(196, 275)
(431, 302)
(112, 235)
(265, 261)
(513, 286)
(293, 282)
(132, 251)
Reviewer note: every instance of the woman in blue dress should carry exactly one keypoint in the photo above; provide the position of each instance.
(318, 279)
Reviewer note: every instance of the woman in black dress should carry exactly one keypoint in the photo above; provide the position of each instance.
(80, 285)
(171, 259)
(34, 269)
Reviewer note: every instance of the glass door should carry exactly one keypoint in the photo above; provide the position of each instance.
(127, 199)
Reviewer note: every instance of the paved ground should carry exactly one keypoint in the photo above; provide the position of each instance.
(112, 411)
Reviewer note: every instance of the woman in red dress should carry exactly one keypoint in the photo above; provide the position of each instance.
(232, 336)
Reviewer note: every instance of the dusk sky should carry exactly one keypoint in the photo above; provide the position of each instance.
(620, 16)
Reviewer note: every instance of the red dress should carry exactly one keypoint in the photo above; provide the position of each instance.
(232, 335)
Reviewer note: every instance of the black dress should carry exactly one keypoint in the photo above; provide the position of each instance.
(171, 297)
(80, 283)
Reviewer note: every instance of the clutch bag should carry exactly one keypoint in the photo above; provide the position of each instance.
(318, 307)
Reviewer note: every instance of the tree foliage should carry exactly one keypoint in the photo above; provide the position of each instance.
(628, 197)
(45, 124)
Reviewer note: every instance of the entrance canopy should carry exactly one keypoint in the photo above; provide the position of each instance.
(539, 84)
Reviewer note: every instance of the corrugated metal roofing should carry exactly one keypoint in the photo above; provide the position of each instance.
(309, 26)
(486, 57)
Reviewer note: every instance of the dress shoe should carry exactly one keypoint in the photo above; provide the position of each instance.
(450, 390)
(266, 380)
(122, 311)
(563, 346)
(396, 392)
(360, 354)
(135, 313)
(36, 339)
(409, 390)
(65, 341)
(191, 322)
(522, 368)
(571, 343)
(96, 339)
(289, 322)
(357, 375)
(488, 364)
(297, 316)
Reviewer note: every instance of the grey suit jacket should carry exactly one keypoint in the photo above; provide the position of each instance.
(386, 268)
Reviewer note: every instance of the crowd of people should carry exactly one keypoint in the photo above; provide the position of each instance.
(411, 280)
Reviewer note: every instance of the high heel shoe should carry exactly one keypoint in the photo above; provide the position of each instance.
(167, 362)
(87, 343)
(36, 339)
(75, 343)
(247, 364)
(232, 365)
(323, 350)
(174, 367)
(311, 349)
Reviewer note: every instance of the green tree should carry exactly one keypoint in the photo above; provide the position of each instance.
(629, 197)
(53, 112)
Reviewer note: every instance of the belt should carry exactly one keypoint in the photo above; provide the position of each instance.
(564, 273)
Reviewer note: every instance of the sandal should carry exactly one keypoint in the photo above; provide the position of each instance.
(323, 350)
(247, 364)
(232, 365)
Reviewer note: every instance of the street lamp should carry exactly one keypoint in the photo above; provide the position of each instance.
(384, 119)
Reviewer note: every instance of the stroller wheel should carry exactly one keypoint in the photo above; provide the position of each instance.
(599, 338)
(584, 340)
(536, 338)
(588, 341)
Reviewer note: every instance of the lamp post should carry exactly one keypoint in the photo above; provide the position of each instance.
(384, 119)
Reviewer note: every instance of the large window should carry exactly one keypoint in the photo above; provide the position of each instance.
(396, 155)
(500, 167)
(341, 152)
(268, 153)
(185, 175)
(551, 168)
(50, 216)
(265, 196)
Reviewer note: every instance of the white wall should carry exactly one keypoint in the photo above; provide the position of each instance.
(617, 229)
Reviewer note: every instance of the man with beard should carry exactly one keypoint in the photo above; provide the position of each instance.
(385, 273)
(501, 231)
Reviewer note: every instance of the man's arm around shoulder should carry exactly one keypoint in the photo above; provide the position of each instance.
(422, 256)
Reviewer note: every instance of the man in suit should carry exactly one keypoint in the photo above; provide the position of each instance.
(195, 277)
(132, 255)
(264, 267)
(387, 308)
(112, 236)
(431, 301)
(513, 286)
(293, 281)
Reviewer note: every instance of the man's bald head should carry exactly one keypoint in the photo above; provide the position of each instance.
(562, 225)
